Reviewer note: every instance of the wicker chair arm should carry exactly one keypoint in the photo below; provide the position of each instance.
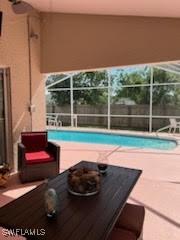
(54, 149)
(21, 155)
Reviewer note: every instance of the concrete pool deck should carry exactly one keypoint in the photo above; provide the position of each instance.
(158, 188)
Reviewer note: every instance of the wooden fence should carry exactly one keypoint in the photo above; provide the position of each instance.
(136, 123)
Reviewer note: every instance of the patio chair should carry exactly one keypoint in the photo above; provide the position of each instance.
(173, 125)
(53, 121)
(37, 158)
(132, 219)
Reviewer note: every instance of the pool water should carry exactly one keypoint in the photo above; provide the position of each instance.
(112, 139)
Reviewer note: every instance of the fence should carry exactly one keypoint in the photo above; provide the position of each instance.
(128, 120)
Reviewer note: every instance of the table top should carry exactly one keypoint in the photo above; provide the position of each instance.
(78, 218)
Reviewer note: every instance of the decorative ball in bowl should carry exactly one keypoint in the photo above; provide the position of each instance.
(83, 182)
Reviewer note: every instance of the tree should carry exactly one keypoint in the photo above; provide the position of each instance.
(86, 79)
(138, 94)
(164, 94)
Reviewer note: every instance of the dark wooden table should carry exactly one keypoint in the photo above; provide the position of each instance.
(79, 218)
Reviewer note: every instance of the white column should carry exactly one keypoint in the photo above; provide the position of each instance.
(109, 100)
(71, 101)
(151, 100)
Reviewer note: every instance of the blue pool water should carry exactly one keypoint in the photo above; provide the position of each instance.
(112, 139)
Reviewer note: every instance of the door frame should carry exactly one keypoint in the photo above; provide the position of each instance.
(8, 116)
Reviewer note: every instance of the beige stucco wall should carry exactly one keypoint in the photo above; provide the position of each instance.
(76, 42)
(14, 54)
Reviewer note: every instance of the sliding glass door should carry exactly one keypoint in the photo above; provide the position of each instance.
(2, 121)
(5, 118)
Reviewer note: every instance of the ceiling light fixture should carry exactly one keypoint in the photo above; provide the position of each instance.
(21, 7)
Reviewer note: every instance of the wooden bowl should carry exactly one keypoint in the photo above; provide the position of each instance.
(83, 181)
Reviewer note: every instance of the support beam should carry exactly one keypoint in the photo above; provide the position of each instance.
(60, 80)
(71, 100)
(151, 99)
(109, 100)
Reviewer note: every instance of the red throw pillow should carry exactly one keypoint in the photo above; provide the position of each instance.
(34, 141)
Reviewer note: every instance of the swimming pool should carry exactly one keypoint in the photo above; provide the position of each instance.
(112, 139)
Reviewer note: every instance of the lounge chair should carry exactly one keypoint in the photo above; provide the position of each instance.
(173, 125)
(53, 121)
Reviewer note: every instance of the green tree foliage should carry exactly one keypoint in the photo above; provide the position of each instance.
(137, 94)
(163, 95)
(166, 94)
(86, 79)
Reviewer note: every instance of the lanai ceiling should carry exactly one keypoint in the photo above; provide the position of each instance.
(158, 8)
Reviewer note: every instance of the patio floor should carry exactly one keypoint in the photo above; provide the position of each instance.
(157, 189)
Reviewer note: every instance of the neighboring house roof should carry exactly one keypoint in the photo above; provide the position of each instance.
(125, 101)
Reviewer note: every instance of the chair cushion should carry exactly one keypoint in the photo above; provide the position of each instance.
(34, 141)
(132, 218)
(38, 157)
(122, 234)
